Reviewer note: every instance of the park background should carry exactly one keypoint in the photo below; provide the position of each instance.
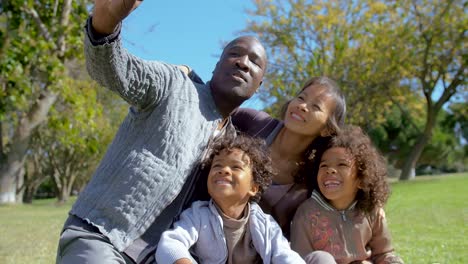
(401, 64)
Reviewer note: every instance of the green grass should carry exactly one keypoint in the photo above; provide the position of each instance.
(29, 233)
(428, 219)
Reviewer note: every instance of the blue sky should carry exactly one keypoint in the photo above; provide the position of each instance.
(186, 32)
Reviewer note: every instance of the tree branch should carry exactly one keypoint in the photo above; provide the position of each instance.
(39, 111)
(43, 29)
(64, 19)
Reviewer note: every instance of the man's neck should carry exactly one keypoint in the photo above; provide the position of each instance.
(224, 106)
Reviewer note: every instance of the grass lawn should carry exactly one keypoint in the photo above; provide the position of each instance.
(428, 218)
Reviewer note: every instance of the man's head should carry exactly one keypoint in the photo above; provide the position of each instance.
(238, 73)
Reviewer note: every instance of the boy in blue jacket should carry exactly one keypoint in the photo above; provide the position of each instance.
(231, 227)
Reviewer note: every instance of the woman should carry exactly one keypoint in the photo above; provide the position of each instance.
(296, 143)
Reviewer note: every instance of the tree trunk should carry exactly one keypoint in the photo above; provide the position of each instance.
(29, 193)
(8, 182)
(19, 185)
(408, 170)
(10, 170)
(63, 194)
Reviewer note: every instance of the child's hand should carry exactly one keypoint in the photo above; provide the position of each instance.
(183, 261)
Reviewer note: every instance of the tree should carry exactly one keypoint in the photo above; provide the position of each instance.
(439, 62)
(350, 41)
(76, 135)
(396, 136)
(66, 149)
(36, 169)
(379, 52)
(37, 38)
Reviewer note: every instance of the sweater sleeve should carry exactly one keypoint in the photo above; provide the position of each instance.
(301, 230)
(140, 82)
(380, 243)
(175, 243)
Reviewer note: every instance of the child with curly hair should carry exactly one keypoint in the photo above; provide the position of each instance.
(344, 220)
(231, 227)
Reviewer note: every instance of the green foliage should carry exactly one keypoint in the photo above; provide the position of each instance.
(396, 136)
(76, 119)
(350, 41)
(447, 150)
(30, 60)
(75, 136)
(383, 54)
(42, 51)
(457, 120)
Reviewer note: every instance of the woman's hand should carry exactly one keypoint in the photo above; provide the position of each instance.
(108, 14)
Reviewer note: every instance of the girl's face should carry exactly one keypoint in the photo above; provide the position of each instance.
(337, 177)
(230, 180)
(308, 113)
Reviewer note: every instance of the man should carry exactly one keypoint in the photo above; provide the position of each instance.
(147, 175)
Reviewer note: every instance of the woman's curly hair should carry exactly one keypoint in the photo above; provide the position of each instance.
(258, 153)
(371, 167)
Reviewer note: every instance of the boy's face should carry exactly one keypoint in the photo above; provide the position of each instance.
(337, 177)
(230, 180)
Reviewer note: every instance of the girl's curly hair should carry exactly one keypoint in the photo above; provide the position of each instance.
(258, 153)
(371, 167)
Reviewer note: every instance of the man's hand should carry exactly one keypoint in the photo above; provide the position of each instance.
(108, 14)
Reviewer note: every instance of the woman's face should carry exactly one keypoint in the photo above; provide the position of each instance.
(307, 114)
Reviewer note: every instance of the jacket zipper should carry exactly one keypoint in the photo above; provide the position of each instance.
(343, 215)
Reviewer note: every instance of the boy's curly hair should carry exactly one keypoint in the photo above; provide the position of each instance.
(371, 167)
(256, 150)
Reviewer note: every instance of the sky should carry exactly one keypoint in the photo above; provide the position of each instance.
(190, 32)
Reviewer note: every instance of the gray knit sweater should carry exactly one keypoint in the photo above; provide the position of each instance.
(169, 124)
